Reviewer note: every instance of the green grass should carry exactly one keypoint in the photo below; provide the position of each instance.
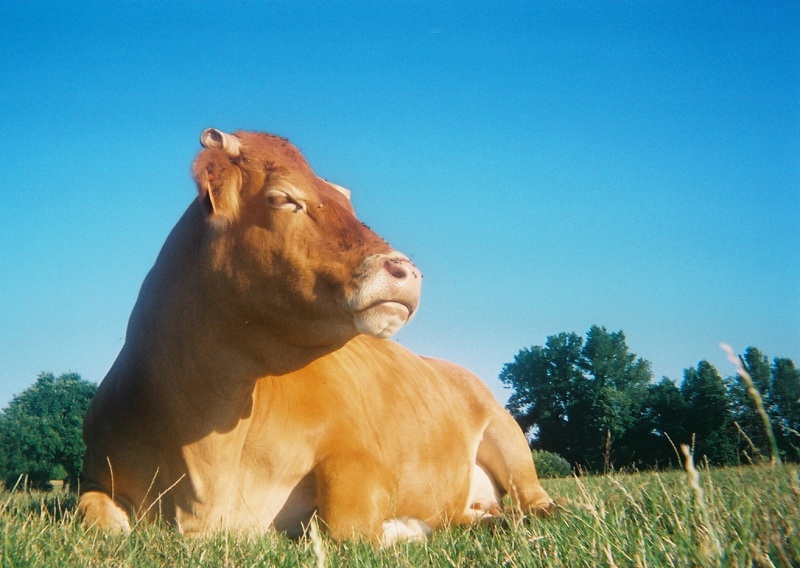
(748, 516)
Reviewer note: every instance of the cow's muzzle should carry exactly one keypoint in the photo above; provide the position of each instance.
(388, 295)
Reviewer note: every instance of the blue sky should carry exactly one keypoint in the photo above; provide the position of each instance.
(548, 165)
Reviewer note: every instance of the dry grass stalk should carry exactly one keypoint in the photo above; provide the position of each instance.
(316, 541)
(710, 547)
(756, 451)
(774, 458)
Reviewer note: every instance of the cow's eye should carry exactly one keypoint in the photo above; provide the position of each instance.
(281, 200)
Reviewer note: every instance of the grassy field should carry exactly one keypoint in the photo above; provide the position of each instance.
(748, 516)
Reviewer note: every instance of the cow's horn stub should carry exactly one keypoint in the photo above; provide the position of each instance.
(213, 138)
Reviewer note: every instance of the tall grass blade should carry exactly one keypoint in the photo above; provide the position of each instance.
(774, 457)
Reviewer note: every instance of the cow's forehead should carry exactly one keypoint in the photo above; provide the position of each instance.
(270, 148)
(282, 157)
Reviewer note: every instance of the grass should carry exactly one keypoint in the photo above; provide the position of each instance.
(746, 516)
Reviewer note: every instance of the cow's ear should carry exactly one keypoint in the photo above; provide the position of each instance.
(219, 183)
(343, 190)
(219, 180)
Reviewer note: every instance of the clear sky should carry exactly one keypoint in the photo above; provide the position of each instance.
(547, 165)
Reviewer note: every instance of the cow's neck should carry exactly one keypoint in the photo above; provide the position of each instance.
(210, 349)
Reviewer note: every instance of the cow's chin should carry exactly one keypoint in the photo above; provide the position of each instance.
(383, 319)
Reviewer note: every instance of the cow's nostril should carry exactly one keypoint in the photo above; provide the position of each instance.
(397, 267)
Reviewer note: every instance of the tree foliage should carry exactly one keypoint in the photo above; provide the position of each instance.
(579, 398)
(708, 417)
(594, 403)
(661, 427)
(743, 413)
(41, 431)
(784, 401)
(779, 387)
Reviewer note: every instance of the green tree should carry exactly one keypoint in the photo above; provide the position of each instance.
(41, 430)
(779, 387)
(579, 399)
(661, 426)
(742, 408)
(785, 399)
(708, 416)
(547, 386)
(618, 380)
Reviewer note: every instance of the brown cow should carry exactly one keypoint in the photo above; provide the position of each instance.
(255, 388)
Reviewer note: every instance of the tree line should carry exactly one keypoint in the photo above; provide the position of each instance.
(595, 403)
(590, 401)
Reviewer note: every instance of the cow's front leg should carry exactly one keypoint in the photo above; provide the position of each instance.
(355, 498)
(101, 511)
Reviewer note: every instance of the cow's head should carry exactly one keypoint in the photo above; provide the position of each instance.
(286, 247)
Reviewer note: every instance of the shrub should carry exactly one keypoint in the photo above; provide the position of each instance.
(550, 464)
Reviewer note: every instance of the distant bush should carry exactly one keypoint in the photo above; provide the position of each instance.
(550, 464)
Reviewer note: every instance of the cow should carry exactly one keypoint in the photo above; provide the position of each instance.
(256, 387)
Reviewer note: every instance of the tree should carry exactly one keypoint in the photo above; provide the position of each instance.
(742, 408)
(708, 416)
(41, 431)
(579, 399)
(592, 402)
(785, 398)
(779, 388)
(547, 387)
(619, 382)
(661, 426)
